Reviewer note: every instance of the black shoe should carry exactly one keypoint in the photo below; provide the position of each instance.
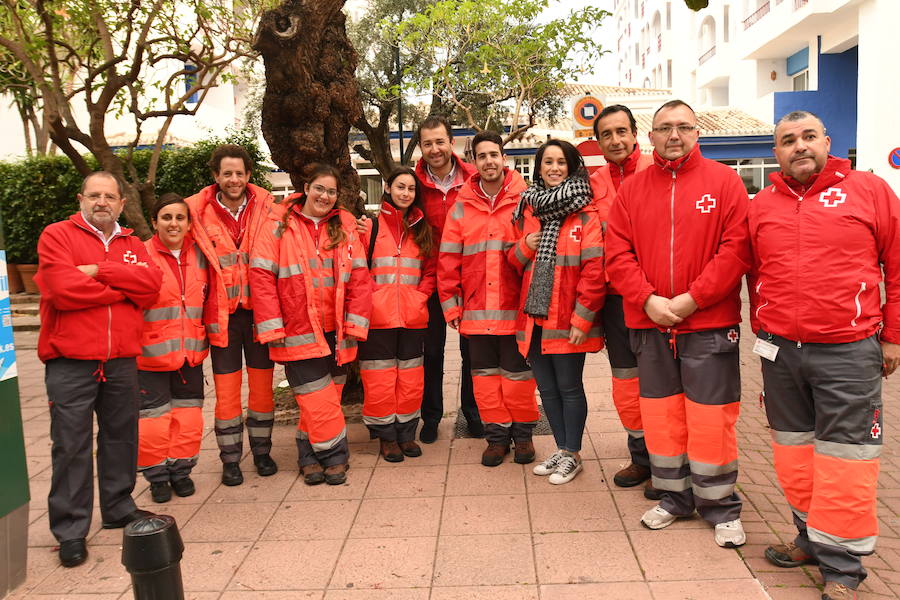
(160, 491)
(475, 428)
(265, 466)
(652, 493)
(72, 552)
(231, 474)
(183, 487)
(429, 433)
(132, 516)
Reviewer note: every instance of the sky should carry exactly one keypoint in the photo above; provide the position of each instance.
(605, 70)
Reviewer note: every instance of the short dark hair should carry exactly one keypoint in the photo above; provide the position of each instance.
(574, 161)
(673, 104)
(614, 108)
(229, 151)
(798, 115)
(433, 122)
(165, 200)
(119, 183)
(487, 136)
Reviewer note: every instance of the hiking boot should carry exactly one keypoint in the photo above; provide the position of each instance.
(652, 493)
(566, 470)
(160, 491)
(265, 466)
(549, 465)
(493, 454)
(428, 434)
(730, 534)
(183, 487)
(632, 475)
(313, 474)
(524, 452)
(837, 591)
(336, 474)
(231, 474)
(788, 555)
(390, 451)
(410, 449)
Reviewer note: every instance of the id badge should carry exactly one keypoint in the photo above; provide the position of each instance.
(767, 350)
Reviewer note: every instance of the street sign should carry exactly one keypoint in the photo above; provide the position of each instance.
(894, 158)
(583, 133)
(593, 156)
(586, 110)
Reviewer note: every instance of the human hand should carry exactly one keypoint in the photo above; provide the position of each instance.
(454, 323)
(533, 239)
(683, 305)
(660, 311)
(361, 224)
(89, 270)
(577, 336)
(890, 358)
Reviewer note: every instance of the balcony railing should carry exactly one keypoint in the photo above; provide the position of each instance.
(756, 16)
(659, 42)
(800, 4)
(707, 55)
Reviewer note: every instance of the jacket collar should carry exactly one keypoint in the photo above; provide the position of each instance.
(464, 171)
(834, 171)
(413, 213)
(628, 166)
(681, 164)
(159, 246)
(301, 200)
(78, 219)
(513, 185)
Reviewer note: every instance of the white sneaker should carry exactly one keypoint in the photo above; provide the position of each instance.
(566, 470)
(730, 534)
(549, 465)
(657, 518)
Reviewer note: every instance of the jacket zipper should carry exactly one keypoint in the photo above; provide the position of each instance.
(797, 259)
(862, 288)
(183, 301)
(672, 238)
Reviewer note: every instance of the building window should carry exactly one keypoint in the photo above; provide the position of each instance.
(190, 80)
(523, 166)
(668, 16)
(801, 81)
(726, 25)
(669, 73)
(754, 172)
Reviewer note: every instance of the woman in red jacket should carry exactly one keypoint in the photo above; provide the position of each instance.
(402, 264)
(174, 345)
(312, 298)
(563, 290)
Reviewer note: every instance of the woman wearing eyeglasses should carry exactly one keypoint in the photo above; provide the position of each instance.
(563, 289)
(312, 298)
(402, 264)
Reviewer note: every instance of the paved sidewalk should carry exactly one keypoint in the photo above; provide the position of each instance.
(443, 527)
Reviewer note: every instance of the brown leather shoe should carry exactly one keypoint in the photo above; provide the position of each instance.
(788, 555)
(410, 449)
(313, 474)
(336, 474)
(837, 591)
(390, 451)
(632, 475)
(493, 454)
(524, 452)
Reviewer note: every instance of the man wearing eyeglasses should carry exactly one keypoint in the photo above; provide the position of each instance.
(677, 247)
(95, 279)
(227, 216)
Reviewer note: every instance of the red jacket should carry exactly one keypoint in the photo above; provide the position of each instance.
(579, 283)
(92, 318)
(287, 303)
(173, 326)
(437, 204)
(680, 226)
(403, 279)
(476, 282)
(818, 256)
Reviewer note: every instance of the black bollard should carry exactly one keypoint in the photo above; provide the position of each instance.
(151, 552)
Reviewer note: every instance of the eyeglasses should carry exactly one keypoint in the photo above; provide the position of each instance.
(321, 190)
(682, 129)
(97, 195)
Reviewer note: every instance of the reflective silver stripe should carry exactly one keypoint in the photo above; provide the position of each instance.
(793, 438)
(863, 545)
(451, 302)
(264, 263)
(329, 444)
(213, 328)
(458, 210)
(506, 425)
(554, 334)
(410, 263)
(672, 485)
(470, 249)
(490, 315)
(226, 423)
(357, 320)
(165, 313)
(233, 291)
(411, 363)
(195, 345)
(313, 386)
(584, 313)
(302, 435)
(260, 416)
(294, 340)
(340, 379)
(187, 402)
(347, 343)
(368, 420)
(521, 257)
(153, 413)
(714, 492)
(323, 282)
(172, 459)
(451, 247)
(378, 364)
(200, 257)
(384, 261)
(711, 470)
(848, 451)
(410, 279)
(520, 336)
(568, 260)
(629, 373)
(289, 271)
(385, 279)
(270, 325)
(159, 464)
(635, 433)
(193, 312)
(228, 439)
(516, 375)
(359, 263)
(245, 257)
(800, 514)
(228, 260)
(326, 263)
(669, 462)
(160, 349)
(345, 276)
(592, 252)
(259, 431)
(485, 372)
(406, 418)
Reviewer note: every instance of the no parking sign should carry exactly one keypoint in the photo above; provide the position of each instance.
(586, 110)
(894, 158)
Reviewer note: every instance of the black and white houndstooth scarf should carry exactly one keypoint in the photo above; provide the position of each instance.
(551, 206)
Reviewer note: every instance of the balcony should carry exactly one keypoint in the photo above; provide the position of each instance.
(759, 14)
(707, 55)
(659, 42)
(798, 4)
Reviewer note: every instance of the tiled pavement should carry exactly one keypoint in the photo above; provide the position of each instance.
(443, 527)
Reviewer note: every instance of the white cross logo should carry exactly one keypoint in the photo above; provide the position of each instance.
(732, 336)
(575, 233)
(706, 203)
(876, 431)
(832, 197)
(130, 257)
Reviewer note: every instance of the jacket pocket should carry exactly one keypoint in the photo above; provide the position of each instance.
(414, 308)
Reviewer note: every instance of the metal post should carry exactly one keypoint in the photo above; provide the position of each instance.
(151, 552)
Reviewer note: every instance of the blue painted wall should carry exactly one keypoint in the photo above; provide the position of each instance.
(834, 101)
(747, 146)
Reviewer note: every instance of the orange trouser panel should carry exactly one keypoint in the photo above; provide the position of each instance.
(518, 396)
(228, 395)
(665, 428)
(261, 395)
(379, 378)
(410, 385)
(844, 500)
(711, 428)
(321, 416)
(626, 397)
(153, 444)
(185, 432)
(794, 467)
(488, 388)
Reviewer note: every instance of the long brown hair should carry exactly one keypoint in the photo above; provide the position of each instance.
(421, 231)
(336, 233)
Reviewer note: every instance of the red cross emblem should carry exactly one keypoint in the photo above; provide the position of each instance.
(876, 431)
(732, 336)
(130, 257)
(706, 203)
(575, 233)
(832, 197)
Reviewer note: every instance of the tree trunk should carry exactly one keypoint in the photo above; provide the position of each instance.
(311, 96)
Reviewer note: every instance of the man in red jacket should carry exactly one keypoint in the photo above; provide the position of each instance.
(821, 235)
(95, 279)
(616, 133)
(677, 248)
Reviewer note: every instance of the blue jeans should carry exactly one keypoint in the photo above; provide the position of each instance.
(559, 381)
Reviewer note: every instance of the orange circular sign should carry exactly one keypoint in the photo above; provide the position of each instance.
(586, 111)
